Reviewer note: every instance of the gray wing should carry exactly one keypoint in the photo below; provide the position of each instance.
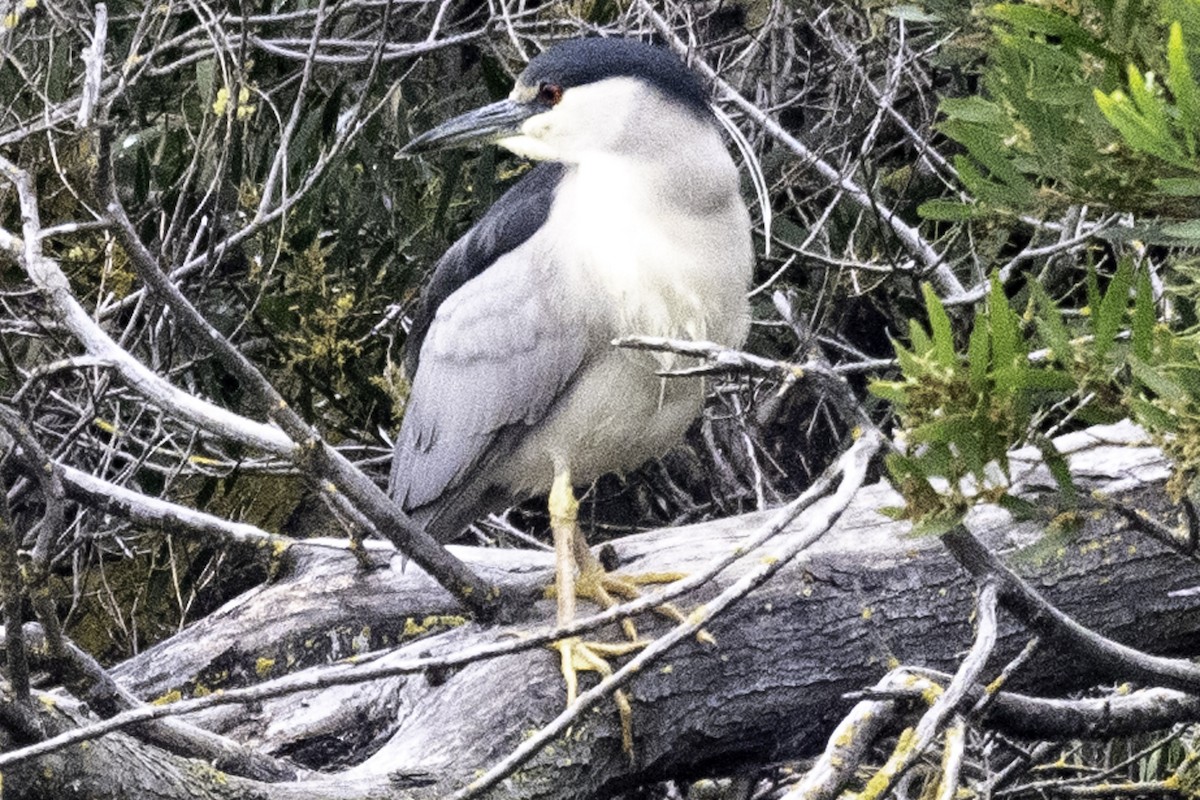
(505, 226)
(496, 357)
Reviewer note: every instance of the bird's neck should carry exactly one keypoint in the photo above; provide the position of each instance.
(666, 239)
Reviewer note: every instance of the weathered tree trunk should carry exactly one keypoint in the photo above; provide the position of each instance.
(865, 598)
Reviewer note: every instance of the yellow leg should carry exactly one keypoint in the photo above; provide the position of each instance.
(575, 654)
(599, 585)
(564, 514)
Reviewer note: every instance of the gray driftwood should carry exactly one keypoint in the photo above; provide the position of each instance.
(865, 598)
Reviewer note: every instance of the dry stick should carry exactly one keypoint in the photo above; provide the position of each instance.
(1141, 521)
(87, 680)
(344, 674)
(1052, 625)
(121, 501)
(35, 584)
(1011, 668)
(1026, 717)
(13, 595)
(93, 60)
(1100, 776)
(943, 277)
(952, 758)
(913, 746)
(852, 739)
(324, 467)
(335, 474)
(852, 466)
(47, 276)
(289, 131)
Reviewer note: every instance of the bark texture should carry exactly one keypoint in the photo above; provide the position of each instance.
(867, 597)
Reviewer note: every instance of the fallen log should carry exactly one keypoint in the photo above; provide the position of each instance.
(864, 598)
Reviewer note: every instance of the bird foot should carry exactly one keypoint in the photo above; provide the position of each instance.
(602, 588)
(580, 656)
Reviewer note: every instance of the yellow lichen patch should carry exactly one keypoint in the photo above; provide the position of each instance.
(245, 108)
(263, 666)
(412, 628)
(846, 737)
(203, 461)
(47, 700)
(881, 779)
(201, 690)
(769, 559)
(222, 102)
(206, 772)
(868, 612)
(170, 697)
(930, 691)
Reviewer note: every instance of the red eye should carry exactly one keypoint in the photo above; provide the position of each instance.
(549, 94)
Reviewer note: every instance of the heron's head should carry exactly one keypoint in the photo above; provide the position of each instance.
(584, 97)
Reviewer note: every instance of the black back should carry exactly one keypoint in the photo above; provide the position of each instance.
(507, 224)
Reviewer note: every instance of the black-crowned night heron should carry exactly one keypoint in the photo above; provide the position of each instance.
(634, 224)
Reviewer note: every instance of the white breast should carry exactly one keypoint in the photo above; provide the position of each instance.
(658, 265)
(644, 239)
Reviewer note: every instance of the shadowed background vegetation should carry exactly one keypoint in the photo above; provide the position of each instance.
(1022, 180)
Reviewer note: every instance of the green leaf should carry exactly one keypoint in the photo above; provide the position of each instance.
(1050, 325)
(1143, 317)
(941, 210)
(975, 109)
(989, 150)
(1005, 334)
(1038, 20)
(1189, 230)
(1183, 85)
(1111, 313)
(1152, 417)
(910, 365)
(1059, 469)
(939, 323)
(922, 345)
(1049, 380)
(1159, 383)
(892, 391)
(1149, 104)
(911, 13)
(940, 523)
(1137, 131)
(1020, 508)
(978, 350)
(1177, 187)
